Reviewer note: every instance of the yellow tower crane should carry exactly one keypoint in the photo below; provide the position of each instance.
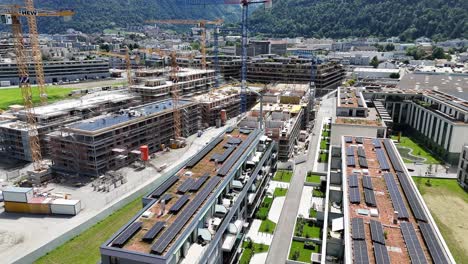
(201, 23)
(11, 15)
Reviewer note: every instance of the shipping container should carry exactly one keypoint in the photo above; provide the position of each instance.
(17, 194)
(65, 207)
(27, 208)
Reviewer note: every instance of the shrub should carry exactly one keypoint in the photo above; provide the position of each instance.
(309, 245)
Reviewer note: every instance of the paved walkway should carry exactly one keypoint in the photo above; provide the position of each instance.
(277, 184)
(259, 258)
(275, 210)
(259, 237)
(306, 201)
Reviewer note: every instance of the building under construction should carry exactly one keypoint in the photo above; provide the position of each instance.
(107, 142)
(14, 138)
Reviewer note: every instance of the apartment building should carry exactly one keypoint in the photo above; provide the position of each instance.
(200, 210)
(462, 175)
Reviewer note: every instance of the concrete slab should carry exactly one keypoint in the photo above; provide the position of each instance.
(259, 258)
(306, 201)
(277, 184)
(258, 237)
(275, 210)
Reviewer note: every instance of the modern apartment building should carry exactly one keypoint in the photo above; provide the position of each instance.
(462, 175)
(199, 212)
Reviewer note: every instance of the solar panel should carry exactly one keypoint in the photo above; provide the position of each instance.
(224, 170)
(336, 152)
(367, 182)
(222, 157)
(234, 141)
(370, 197)
(376, 143)
(194, 161)
(361, 152)
(179, 204)
(413, 201)
(357, 228)
(415, 250)
(382, 160)
(166, 197)
(230, 129)
(171, 232)
(360, 252)
(199, 183)
(392, 155)
(395, 195)
(164, 186)
(153, 232)
(377, 232)
(348, 139)
(335, 163)
(186, 185)
(435, 249)
(381, 254)
(350, 161)
(362, 162)
(353, 180)
(359, 140)
(354, 195)
(350, 151)
(127, 234)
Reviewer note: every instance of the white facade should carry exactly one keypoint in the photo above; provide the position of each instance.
(18, 194)
(462, 174)
(65, 207)
(339, 130)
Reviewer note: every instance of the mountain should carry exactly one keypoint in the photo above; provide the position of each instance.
(97, 15)
(409, 19)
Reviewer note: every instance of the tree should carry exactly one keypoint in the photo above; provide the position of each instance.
(104, 47)
(395, 75)
(374, 62)
(389, 47)
(438, 53)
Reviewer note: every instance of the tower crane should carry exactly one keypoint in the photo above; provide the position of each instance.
(126, 58)
(245, 13)
(11, 15)
(202, 24)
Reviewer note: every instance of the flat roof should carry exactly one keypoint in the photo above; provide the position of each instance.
(350, 97)
(105, 121)
(452, 84)
(179, 191)
(385, 207)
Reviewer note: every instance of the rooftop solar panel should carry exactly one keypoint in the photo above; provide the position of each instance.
(395, 196)
(195, 159)
(348, 139)
(196, 186)
(413, 201)
(335, 163)
(360, 254)
(367, 182)
(171, 232)
(186, 185)
(376, 143)
(384, 165)
(370, 197)
(350, 161)
(164, 186)
(166, 197)
(381, 254)
(153, 232)
(353, 180)
(224, 170)
(377, 232)
(415, 250)
(127, 234)
(393, 156)
(357, 228)
(222, 157)
(435, 249)
(362, 162)
(354, 195)
(336, 152)
(179, 204)
(350, 151)
(359, 140)
(234, 141)
(361, 152)
(230, 129)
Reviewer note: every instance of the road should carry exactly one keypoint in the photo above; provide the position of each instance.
(279, 247)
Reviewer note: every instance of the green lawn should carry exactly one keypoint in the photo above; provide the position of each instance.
(84, 248)
(280, 192)
(325, 133)
(323, 144)
(448, 204)
(418, 150)
(312, 213)
(300, 253)
(267, 226)
(13, 96)
(312, 178)
(262, 212)
(283, 176)
(317, 193)
(306, 229)
(323, 157)
(249, 251)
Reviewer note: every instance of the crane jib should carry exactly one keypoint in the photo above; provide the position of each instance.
(28, 12)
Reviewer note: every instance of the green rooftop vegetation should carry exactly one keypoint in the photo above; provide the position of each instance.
(312, 178)
(267, 226)
(306, 228)
(280, 192)
(302, 251)
(318, 193)
(249, 249)
(283, 175)
(312, 213)
(413, 151)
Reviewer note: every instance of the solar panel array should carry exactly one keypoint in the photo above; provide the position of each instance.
(357, 225)
(348, 139)
(411, 197)
(186, 185)
(354, 195)
(384, 165)
(335, 163)
(154, 231)
(165, 186)
(376, 143)
(234, 141)
(127, 234)
(415, 250)
(395, 195)
(369, 197)
(245, 131)
(435, 249)
(377, 232)
(196, 186)
(353, 180)
(223, 171)
(350, 151)
(179, 204)
(359, 140)
(230, 129)
(350, 161)
(361, 152)
(171, 232)
(194, 161)
(362, 162)
(166, 197)
(381, 254)
(360, 252)
(367, 182)
(222, 157)
(393, 156)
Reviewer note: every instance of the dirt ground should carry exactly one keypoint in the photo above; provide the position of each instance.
(450, 212)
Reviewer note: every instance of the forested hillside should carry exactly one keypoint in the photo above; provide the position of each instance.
(409, 19)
